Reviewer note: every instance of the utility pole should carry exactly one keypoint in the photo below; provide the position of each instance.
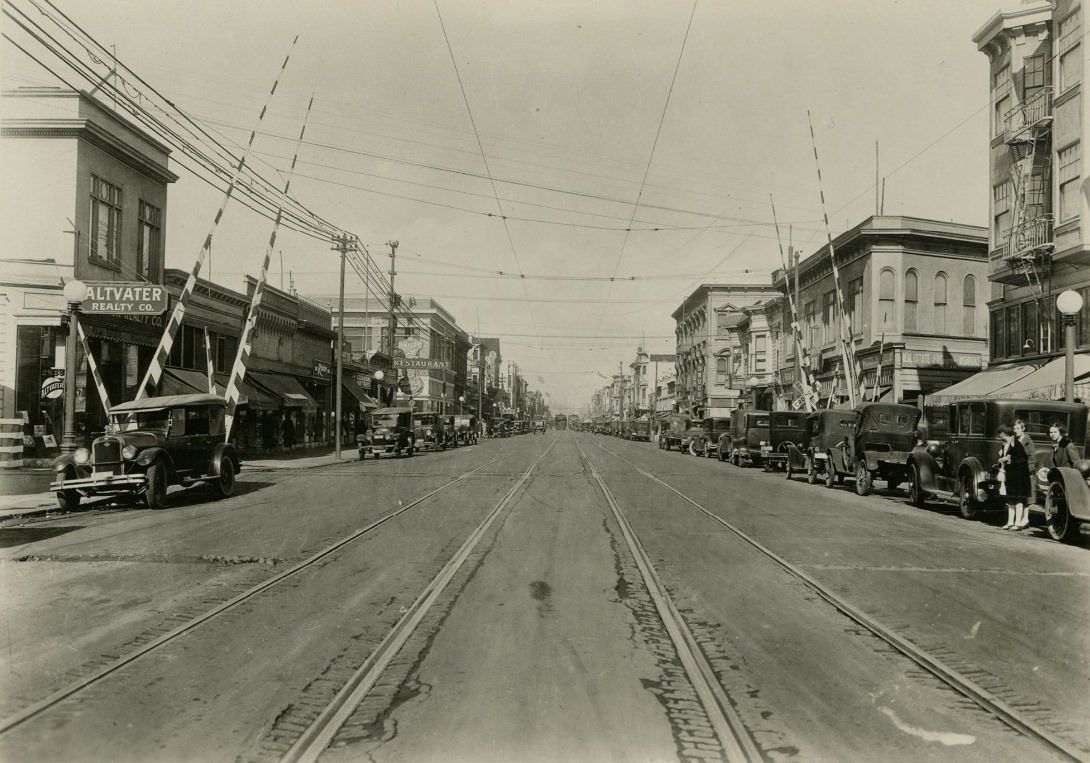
(393, 297)
(342, 247)
(792, 252)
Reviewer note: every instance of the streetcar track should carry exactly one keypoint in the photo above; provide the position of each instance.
(962, 681)
(321, 732)
(733, 737)
(113, 665)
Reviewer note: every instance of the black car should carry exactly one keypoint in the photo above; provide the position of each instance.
(149, 445)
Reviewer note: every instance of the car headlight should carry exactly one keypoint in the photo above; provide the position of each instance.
(428, 432)
(128, 452)
(81, 456)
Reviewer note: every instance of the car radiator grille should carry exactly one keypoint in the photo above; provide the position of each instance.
(107, 457)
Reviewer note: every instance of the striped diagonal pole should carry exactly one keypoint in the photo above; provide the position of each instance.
(159, 360)
(209, 364)
(99, 384)
(807, 377)
(852, 372)
(238, 370)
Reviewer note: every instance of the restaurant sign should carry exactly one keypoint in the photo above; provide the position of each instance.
(422, 364)
(125, 298)
(322, 370)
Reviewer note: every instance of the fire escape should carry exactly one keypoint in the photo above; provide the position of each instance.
(1028, 134)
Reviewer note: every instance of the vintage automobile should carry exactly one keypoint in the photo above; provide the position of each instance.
(711, 427)
(499, 428)
(826, 429)
(149, 445)
(432, 433)
(693, 438)
(673, 431)
(785, 448)
(465, 430)
(640, 429)
(449, 438)
(391, 433)
(879, 447)
(748, 436)
(958, 469)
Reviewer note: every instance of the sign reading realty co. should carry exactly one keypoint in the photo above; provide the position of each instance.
(123, 298)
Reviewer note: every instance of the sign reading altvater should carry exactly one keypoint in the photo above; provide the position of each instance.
(122, 298)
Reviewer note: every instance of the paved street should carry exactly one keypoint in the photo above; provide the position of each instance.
(546, 643)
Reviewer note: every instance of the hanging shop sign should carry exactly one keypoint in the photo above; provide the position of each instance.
(52, 388)
(322, 370)
(426, 364)
(124, 298)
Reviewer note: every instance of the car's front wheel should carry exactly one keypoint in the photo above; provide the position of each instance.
(1061, 525)
(915, 493)
(156, 492)
(967, 503)
(862, 479)
(224, 484)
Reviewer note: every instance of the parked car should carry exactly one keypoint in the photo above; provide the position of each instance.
(692, 439)
(432, 434)
(748, 435)
(958, 468)
(826, 429)
(391, 433)
(673, 431)
(148, 445)
(640, 429)
(450, 438)
(879, 447)
(465, 430)
(711, 428)
(785, 449)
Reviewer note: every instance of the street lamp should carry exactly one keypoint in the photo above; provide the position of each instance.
(1069, 303)
(461, 403)
(74, 293)
(379, 376)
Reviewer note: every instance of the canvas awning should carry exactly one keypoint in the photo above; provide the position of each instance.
(1047, 382)
(178, 381)
(356, 393)
(286, 389)
(981, 384)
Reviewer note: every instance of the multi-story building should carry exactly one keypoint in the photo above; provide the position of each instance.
(914, 293)
(1039, 122)
(430, 348)
(710, 362)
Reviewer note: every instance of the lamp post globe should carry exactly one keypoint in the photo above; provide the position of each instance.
(75, 292)
(1069, 303)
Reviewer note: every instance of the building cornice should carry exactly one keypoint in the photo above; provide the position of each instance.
(988, 37)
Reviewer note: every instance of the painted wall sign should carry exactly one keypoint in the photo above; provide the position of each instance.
(125, 298)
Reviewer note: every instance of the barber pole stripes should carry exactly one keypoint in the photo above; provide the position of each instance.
(238, 370)
(159, 361)
(211, 366)
(99, 384)
(853, 373)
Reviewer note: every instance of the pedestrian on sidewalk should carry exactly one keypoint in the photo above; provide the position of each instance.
(1014, 467)
(288, 431)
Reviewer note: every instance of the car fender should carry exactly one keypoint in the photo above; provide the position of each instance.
(976, 470)
(926, 468)
(1076, 487)
(61, 464)
(148, 456)
(223, 449)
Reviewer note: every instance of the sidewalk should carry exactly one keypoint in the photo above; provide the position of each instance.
(25, 492)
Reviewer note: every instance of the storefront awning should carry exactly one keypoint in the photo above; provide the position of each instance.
(981, 384)
(179, 381)
(286, 389)
(1047, 382)
(355, 392)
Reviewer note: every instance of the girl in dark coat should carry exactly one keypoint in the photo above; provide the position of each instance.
(1064, 452)
(1014, 462)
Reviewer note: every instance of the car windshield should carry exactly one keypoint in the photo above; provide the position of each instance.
(759, 421)
(128, 422)
(384, 421)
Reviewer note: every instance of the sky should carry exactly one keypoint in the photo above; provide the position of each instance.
(433, 120)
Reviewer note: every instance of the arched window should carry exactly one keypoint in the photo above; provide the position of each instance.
(940, 303)
(968, 302)
(721, 371)
(887, 299)
(912, 297)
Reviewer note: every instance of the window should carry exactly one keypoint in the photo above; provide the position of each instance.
(1001, 213)
(721, 371)
(968, 306)
(998, 334)
(722, 327)
(196, 421)
(809, 312)
(1033, 76)
(978, 415)
(105, 221)
(1070, 37)
(1030, 328)
(912, 296)
(1014, 332)
(828, 316)
(1001, 99)
(887, 305)
(855, 305)
(148, 254)
(1069, 160)
(940, 304)
(760, 353)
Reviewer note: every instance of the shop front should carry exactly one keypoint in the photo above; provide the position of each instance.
(295, 420)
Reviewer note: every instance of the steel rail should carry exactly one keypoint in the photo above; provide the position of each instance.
(314, 740)
(112, 667)
(735, 740)
(936, 667)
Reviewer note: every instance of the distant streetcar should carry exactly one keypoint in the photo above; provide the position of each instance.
(560, 421)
